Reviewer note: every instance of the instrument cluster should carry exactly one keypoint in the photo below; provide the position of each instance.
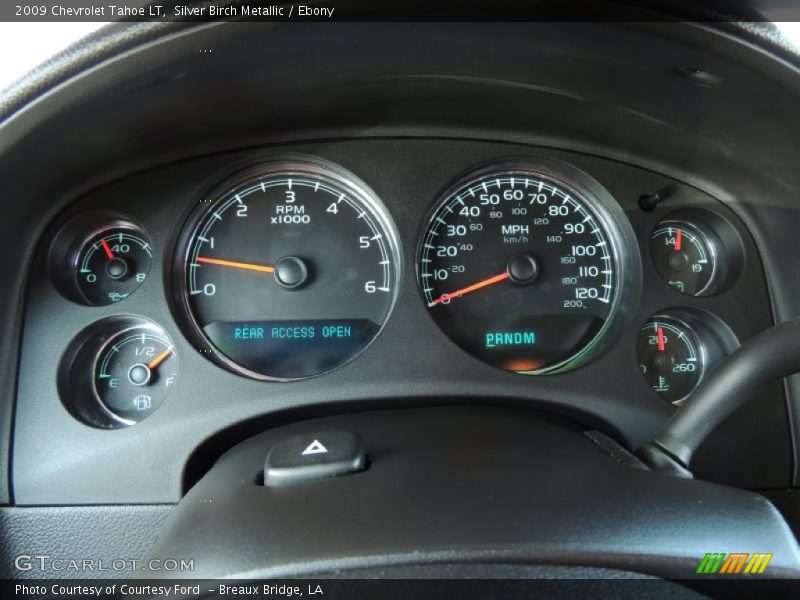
(290, 268)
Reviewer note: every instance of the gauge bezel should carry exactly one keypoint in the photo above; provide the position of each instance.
(286, 165)
(600, 203)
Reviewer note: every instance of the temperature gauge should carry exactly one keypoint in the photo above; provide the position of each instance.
(676, 349)
(99, 261)
(119, 372)
(113, 264)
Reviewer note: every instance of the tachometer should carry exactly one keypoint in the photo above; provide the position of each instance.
(525, 266)
(289, 270)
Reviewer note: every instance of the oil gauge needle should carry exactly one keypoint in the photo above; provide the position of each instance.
(471, 288)
(107, 249)
(235, 264)
(153, 364)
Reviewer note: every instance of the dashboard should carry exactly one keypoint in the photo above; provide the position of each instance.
(569, 293)
(501, 257)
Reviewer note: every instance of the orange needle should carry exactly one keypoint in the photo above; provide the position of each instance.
(159, 359)
(237, 265)
(471, 288)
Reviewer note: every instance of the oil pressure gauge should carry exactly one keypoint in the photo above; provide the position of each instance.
(118, 372)
(100, 259)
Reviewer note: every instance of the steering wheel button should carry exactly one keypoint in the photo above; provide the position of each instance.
(314, 456)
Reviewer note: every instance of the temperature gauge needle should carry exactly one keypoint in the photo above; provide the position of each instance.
(471, 288)
(678, 240)
(153, 364)
(662, 343)
(235, 264)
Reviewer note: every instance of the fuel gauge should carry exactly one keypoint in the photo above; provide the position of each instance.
(118, 372)
(112, 264)
(135, 371)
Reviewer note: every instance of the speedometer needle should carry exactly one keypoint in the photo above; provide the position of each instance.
(471, 288)
(235, 264)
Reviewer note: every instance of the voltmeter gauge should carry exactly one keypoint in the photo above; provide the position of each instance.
(118, 372)
(100, 259)
(678, 348)
(685, 257)
(695, 252)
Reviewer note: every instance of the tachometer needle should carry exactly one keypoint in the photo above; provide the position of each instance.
(107, 249)
(159, 359)
(235, 264)
(471, 288)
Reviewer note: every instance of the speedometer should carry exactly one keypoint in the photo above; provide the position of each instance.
(526, 266)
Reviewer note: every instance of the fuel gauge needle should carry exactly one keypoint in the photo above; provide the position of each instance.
(153, 364)
(235, 264)
(471, 288)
